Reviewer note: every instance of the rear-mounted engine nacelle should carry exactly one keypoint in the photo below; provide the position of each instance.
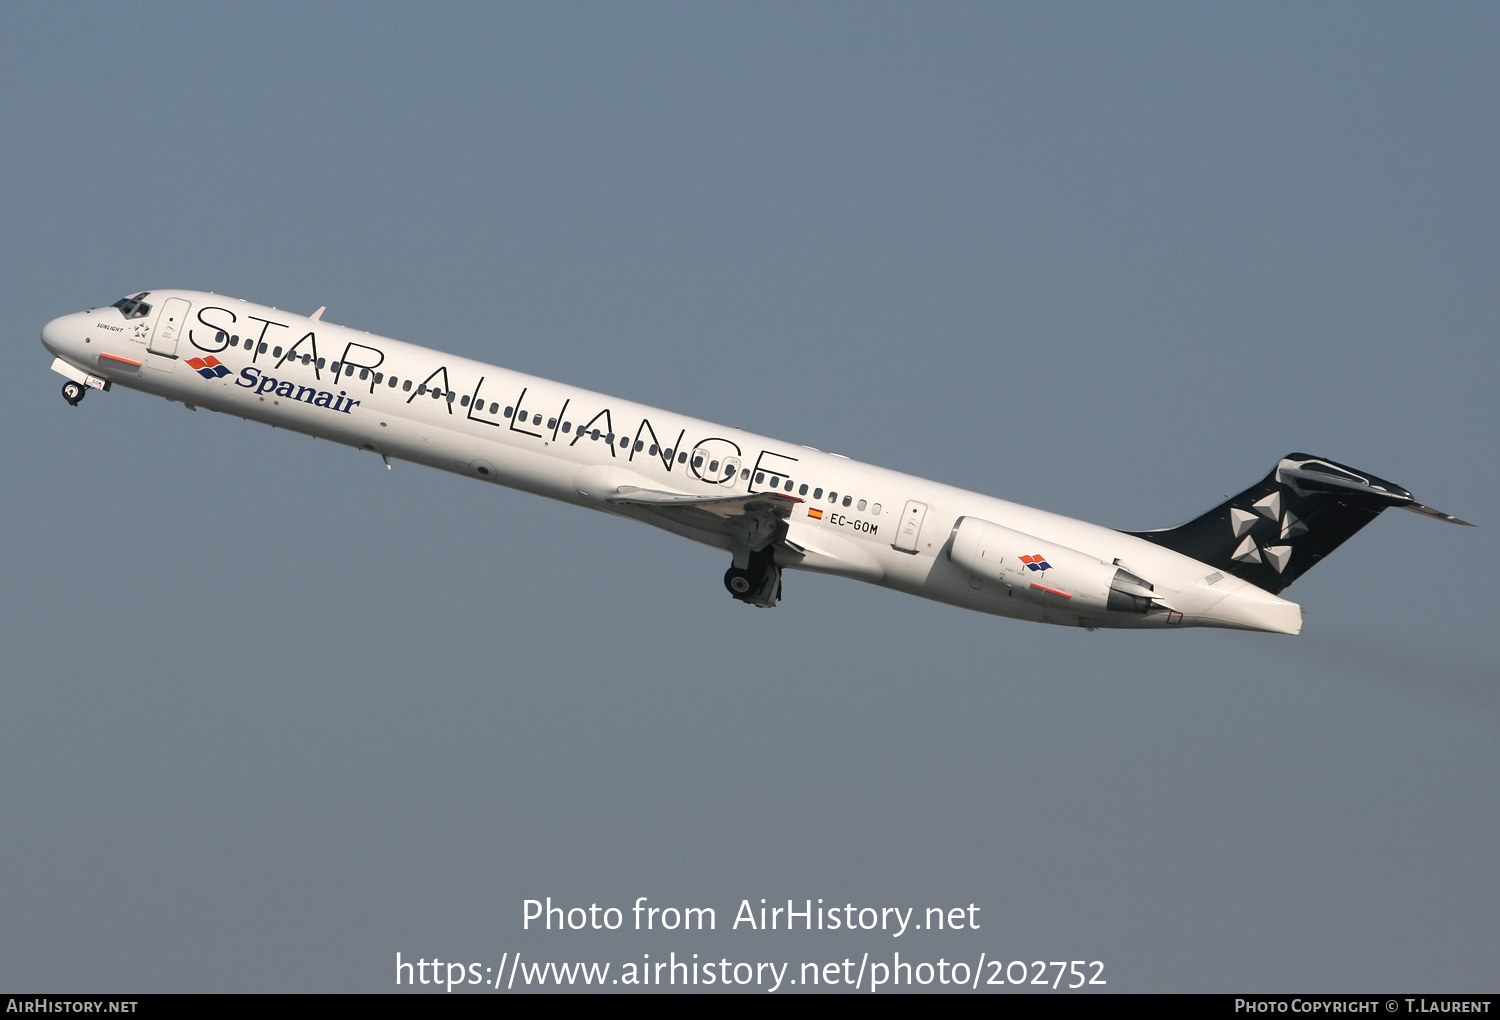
(1046, 572)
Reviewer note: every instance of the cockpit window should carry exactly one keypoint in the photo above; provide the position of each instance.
(134, 307)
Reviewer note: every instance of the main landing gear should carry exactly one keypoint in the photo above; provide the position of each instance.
(73, 392)
(759, 584)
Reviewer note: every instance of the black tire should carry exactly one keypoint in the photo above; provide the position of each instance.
(73, 392)
(738, 582)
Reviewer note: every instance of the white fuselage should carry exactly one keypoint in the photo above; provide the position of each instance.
(417, 404)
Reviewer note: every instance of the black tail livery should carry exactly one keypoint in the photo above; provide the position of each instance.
(1280, 528)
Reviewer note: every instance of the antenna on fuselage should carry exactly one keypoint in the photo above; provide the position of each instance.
(319, 313)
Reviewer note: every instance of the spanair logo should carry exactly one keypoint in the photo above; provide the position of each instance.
(1037, 563)
(208, 368)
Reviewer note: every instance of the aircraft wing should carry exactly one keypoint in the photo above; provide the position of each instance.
(753, 518)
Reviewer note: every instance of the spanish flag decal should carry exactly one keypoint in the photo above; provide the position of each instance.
(815, 513)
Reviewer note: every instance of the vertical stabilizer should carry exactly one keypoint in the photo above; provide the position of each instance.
(1279, 529)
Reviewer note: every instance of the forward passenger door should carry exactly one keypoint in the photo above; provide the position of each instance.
(169, 326)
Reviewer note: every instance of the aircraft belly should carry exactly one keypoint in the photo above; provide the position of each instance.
(811, 548)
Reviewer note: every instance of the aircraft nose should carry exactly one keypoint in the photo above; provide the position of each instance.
(58, 334)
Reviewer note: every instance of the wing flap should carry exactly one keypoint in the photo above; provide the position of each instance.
(732, 505)
(751, 518)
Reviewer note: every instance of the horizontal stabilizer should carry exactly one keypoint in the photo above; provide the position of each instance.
(1427, 511)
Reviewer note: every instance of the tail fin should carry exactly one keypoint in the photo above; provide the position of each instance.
(1276, 531)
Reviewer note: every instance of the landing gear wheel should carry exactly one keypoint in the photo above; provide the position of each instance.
(73, 392)
(738, 582)
(759, 584)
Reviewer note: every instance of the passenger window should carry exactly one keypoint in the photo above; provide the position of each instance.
(421, 389)
(744, 472)
(652, 452)
(697, 462)
(406, 386)
(465, 401)
(334, 368)
(594, 436)
(509, 411)
(552, 423)
(379, 378)
(875, 508)
(803, 490)
(451, 395)
(817, 493)
(276, 353)
(760, 476)
(833, 497)
(392, 382)
(713, 466)
(307, 359)
(728, 470)
(860, 505)
(847, 500)
(775, 482)
(364, 374)
(567, 426)
(261, 349)
(494, 408)
(667, 453)
(234, 341)
(349, 370)
(639, 446)
(609, 437)
(682, 458)
(320, 365)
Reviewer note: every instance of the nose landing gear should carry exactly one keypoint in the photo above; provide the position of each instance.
(74, 392)
(759, 584)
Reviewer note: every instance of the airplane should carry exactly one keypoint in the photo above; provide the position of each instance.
(772, 505)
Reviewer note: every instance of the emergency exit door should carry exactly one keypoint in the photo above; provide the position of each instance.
(910, 528)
